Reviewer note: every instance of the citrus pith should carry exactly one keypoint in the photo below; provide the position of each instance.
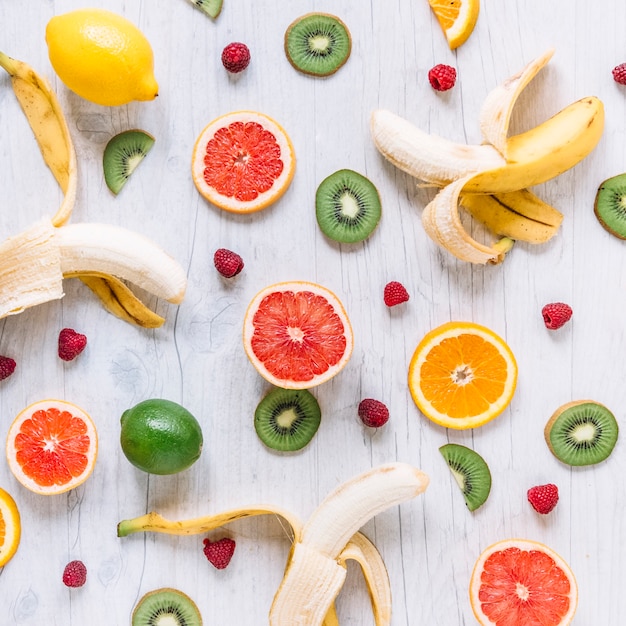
(522, 582)
(297, 334)
(462, 375)
(10, 527)
(52, 446)
(243, 161)
(457, 19)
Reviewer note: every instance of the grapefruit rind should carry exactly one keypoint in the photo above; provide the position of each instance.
(249, 330)
(434, 338)
(525, 545)
(10, 519)
(11, 450)
(264, 199)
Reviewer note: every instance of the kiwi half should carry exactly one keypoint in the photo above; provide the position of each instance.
(211, 7)
(470, 471)
(610, 205)
(122, 154)
(166, 607)
(581, 433)
(317, 44)
(287, 419)
(347, 206)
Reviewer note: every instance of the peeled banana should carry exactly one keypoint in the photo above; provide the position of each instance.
(491, 180)
(316, 569)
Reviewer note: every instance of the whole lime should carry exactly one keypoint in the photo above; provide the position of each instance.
(160, 436)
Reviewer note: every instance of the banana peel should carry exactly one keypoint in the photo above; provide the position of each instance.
(492, 180)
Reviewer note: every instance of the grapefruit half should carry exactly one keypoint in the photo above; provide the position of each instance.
(523, 583)
(297, 334)
(243, 161)
(52, 446)
(10, 527)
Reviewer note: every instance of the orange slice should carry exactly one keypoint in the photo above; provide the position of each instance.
(243, 162)
(524, 583)
(462, 375)
(10, 527)
(52, 446)
(457, 19)
(297, 334)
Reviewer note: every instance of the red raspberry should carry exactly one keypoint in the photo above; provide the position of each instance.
(219, 552)
(373, 413)
(556, 314)
(227, 262)
(395, 293)
(619, 74)
(442, 77)
(236, 57)
(7, 367)
(71, 344)
(543, 498)
(75, 574)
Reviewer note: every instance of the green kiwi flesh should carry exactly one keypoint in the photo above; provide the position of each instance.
(317, 44)
(581, 433)
(610, 205)
(347, 206)
(287, 419)
(122, 154)
(470, 472)
(166, 607)
(211, 7)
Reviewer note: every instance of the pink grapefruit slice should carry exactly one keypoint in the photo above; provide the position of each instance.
(243, 161)
(297, 334)
(518, 582)
(52, 446)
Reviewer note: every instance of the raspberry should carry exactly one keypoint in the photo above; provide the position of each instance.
(619, 74)
(543, 498)
(75, 574)
(442, 77)
(7, 367)
(373, 413)
(71, 344)
(227, 262)
(395, 293)
(219, 552)
(556, 314)
(236, 57)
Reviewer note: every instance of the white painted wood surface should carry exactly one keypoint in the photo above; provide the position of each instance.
(197, 358)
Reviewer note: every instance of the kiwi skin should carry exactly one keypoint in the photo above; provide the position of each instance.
(122, 155)
(610, 205)
(152, 604)
(581, 453)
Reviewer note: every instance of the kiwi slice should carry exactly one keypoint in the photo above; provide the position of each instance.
(211, 7)
(347, 206)
(317, 44)
(287, 419)
(166, 607)
(470, 471)
(122, 154)
(581, 433)
(610, 205)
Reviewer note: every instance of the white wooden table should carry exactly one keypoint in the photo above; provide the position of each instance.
(197, 358)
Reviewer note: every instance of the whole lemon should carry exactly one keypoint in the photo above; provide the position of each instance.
(101, 56)
(160, 436)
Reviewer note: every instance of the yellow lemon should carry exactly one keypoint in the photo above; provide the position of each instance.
(101, 56)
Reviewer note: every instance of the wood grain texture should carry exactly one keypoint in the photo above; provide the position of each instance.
(197, 357)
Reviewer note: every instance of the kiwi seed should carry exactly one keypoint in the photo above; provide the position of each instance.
(347, 206)
(317, 44)
(211, 7)
(287, 419)
(470, 471)
(166, 606)
(581, 433)
(122, 155)
(610, 205)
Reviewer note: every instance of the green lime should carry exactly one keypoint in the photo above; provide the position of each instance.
(160, 436)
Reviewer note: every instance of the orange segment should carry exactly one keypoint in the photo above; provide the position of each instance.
(462, 375)
(297, 335)
(523, 583)
(10, 527)
(243, 162)
(52, 446)
(457, 19)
